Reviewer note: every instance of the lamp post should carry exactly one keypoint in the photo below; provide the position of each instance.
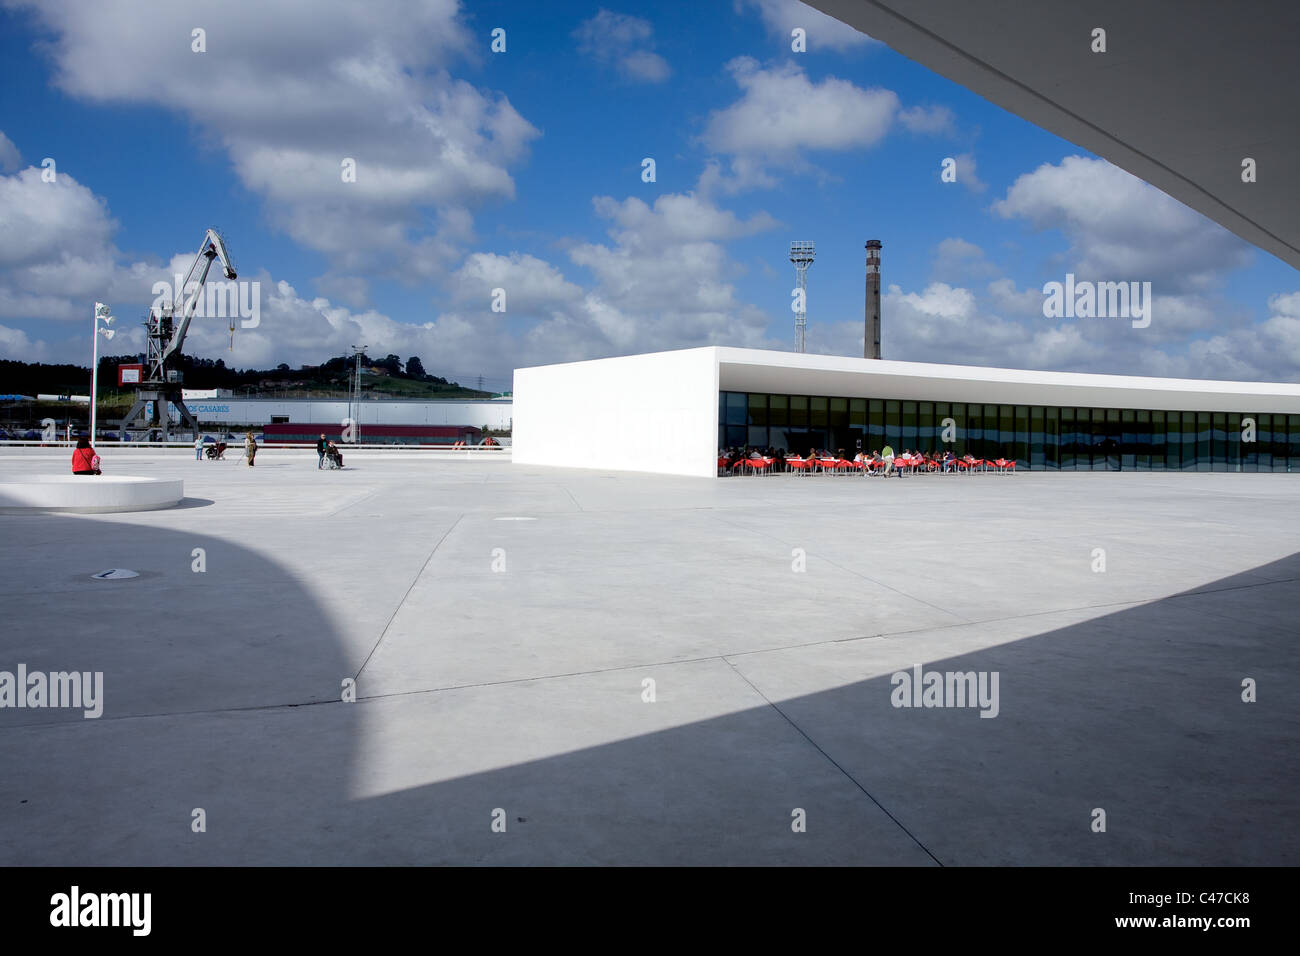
(101, 314)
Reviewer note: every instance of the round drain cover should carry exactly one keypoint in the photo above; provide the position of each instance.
(114, 574)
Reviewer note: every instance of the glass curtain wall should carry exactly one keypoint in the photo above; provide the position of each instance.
(1040, 438)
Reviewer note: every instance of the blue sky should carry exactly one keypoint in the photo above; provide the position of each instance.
(522, 171)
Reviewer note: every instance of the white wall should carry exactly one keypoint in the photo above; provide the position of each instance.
(655, 413)
(240, 411)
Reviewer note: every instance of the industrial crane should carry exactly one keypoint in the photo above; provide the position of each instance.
(165, 330)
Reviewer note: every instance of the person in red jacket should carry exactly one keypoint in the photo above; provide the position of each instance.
(84, 459)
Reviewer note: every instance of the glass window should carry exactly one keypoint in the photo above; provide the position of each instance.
(909, 436)
(858, 413)
(1279, 443)
(893, 427)
(736, 436)
(839, 413)
(875, 423)
(1128, 440)
(1036, 459)
(1111, 438)
(1006, 432)
(778, 410)
(817, 412)
(1264, 442)
(1189, 442)
(737, 408)
(1293, 458)
(1204, 446)
(926, 436)
(757, 437)
(757, 409)
(1142, 439)
(1083, 440)
(1232, 448)
(1069, 441)
(1020, 445)
(957, 412)
(975, 430)
(1173, 442)
(1052, 438)
(798, 411)
(1219, 442)
(1158, 434)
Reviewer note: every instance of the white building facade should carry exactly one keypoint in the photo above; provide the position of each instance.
(671, 412)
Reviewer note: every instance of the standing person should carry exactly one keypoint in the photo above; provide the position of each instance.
(250, 449)
(322, 447)
(84, 459)
(198, 447)
(887, 455)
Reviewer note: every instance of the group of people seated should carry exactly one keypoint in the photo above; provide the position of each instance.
(882, 462)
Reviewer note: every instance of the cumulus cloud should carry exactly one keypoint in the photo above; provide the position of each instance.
(927, 119)
(782, 114)
(823, 32)
(625, 42)
(16, 344)
(368, 83)
(1119, 227)
(967, 172)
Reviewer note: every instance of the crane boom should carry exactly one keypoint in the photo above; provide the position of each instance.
(213, 247)
(165, 330)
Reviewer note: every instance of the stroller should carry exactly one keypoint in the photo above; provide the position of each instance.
(333, 457)
(215, 452)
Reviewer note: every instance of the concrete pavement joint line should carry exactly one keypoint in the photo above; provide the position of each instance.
(352, 504)
(856, 574)
(407, 594)
(833, 762)
(571, 498)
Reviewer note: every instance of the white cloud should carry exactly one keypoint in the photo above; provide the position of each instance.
(967, 174)
(625, 42)
(782, 111)
(782, 114)
(1122, 228)
(928, 119)
(955, 258)
(290, 93)
(15, 344)
(823, 32)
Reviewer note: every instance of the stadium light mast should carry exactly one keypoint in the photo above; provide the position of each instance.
(358, 350)
(802, 255)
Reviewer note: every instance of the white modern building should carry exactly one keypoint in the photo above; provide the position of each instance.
(671, 412)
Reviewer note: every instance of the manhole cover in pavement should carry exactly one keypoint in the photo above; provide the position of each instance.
(115, 574)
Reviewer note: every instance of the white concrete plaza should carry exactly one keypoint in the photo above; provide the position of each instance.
(501, 623)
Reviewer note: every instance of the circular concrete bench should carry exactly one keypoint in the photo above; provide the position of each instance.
(88, 494)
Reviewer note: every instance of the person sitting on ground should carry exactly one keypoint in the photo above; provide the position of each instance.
(84, 459)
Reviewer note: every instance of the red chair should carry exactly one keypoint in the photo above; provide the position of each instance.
(800, 466)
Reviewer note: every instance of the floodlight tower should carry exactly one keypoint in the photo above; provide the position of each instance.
(802, 255)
